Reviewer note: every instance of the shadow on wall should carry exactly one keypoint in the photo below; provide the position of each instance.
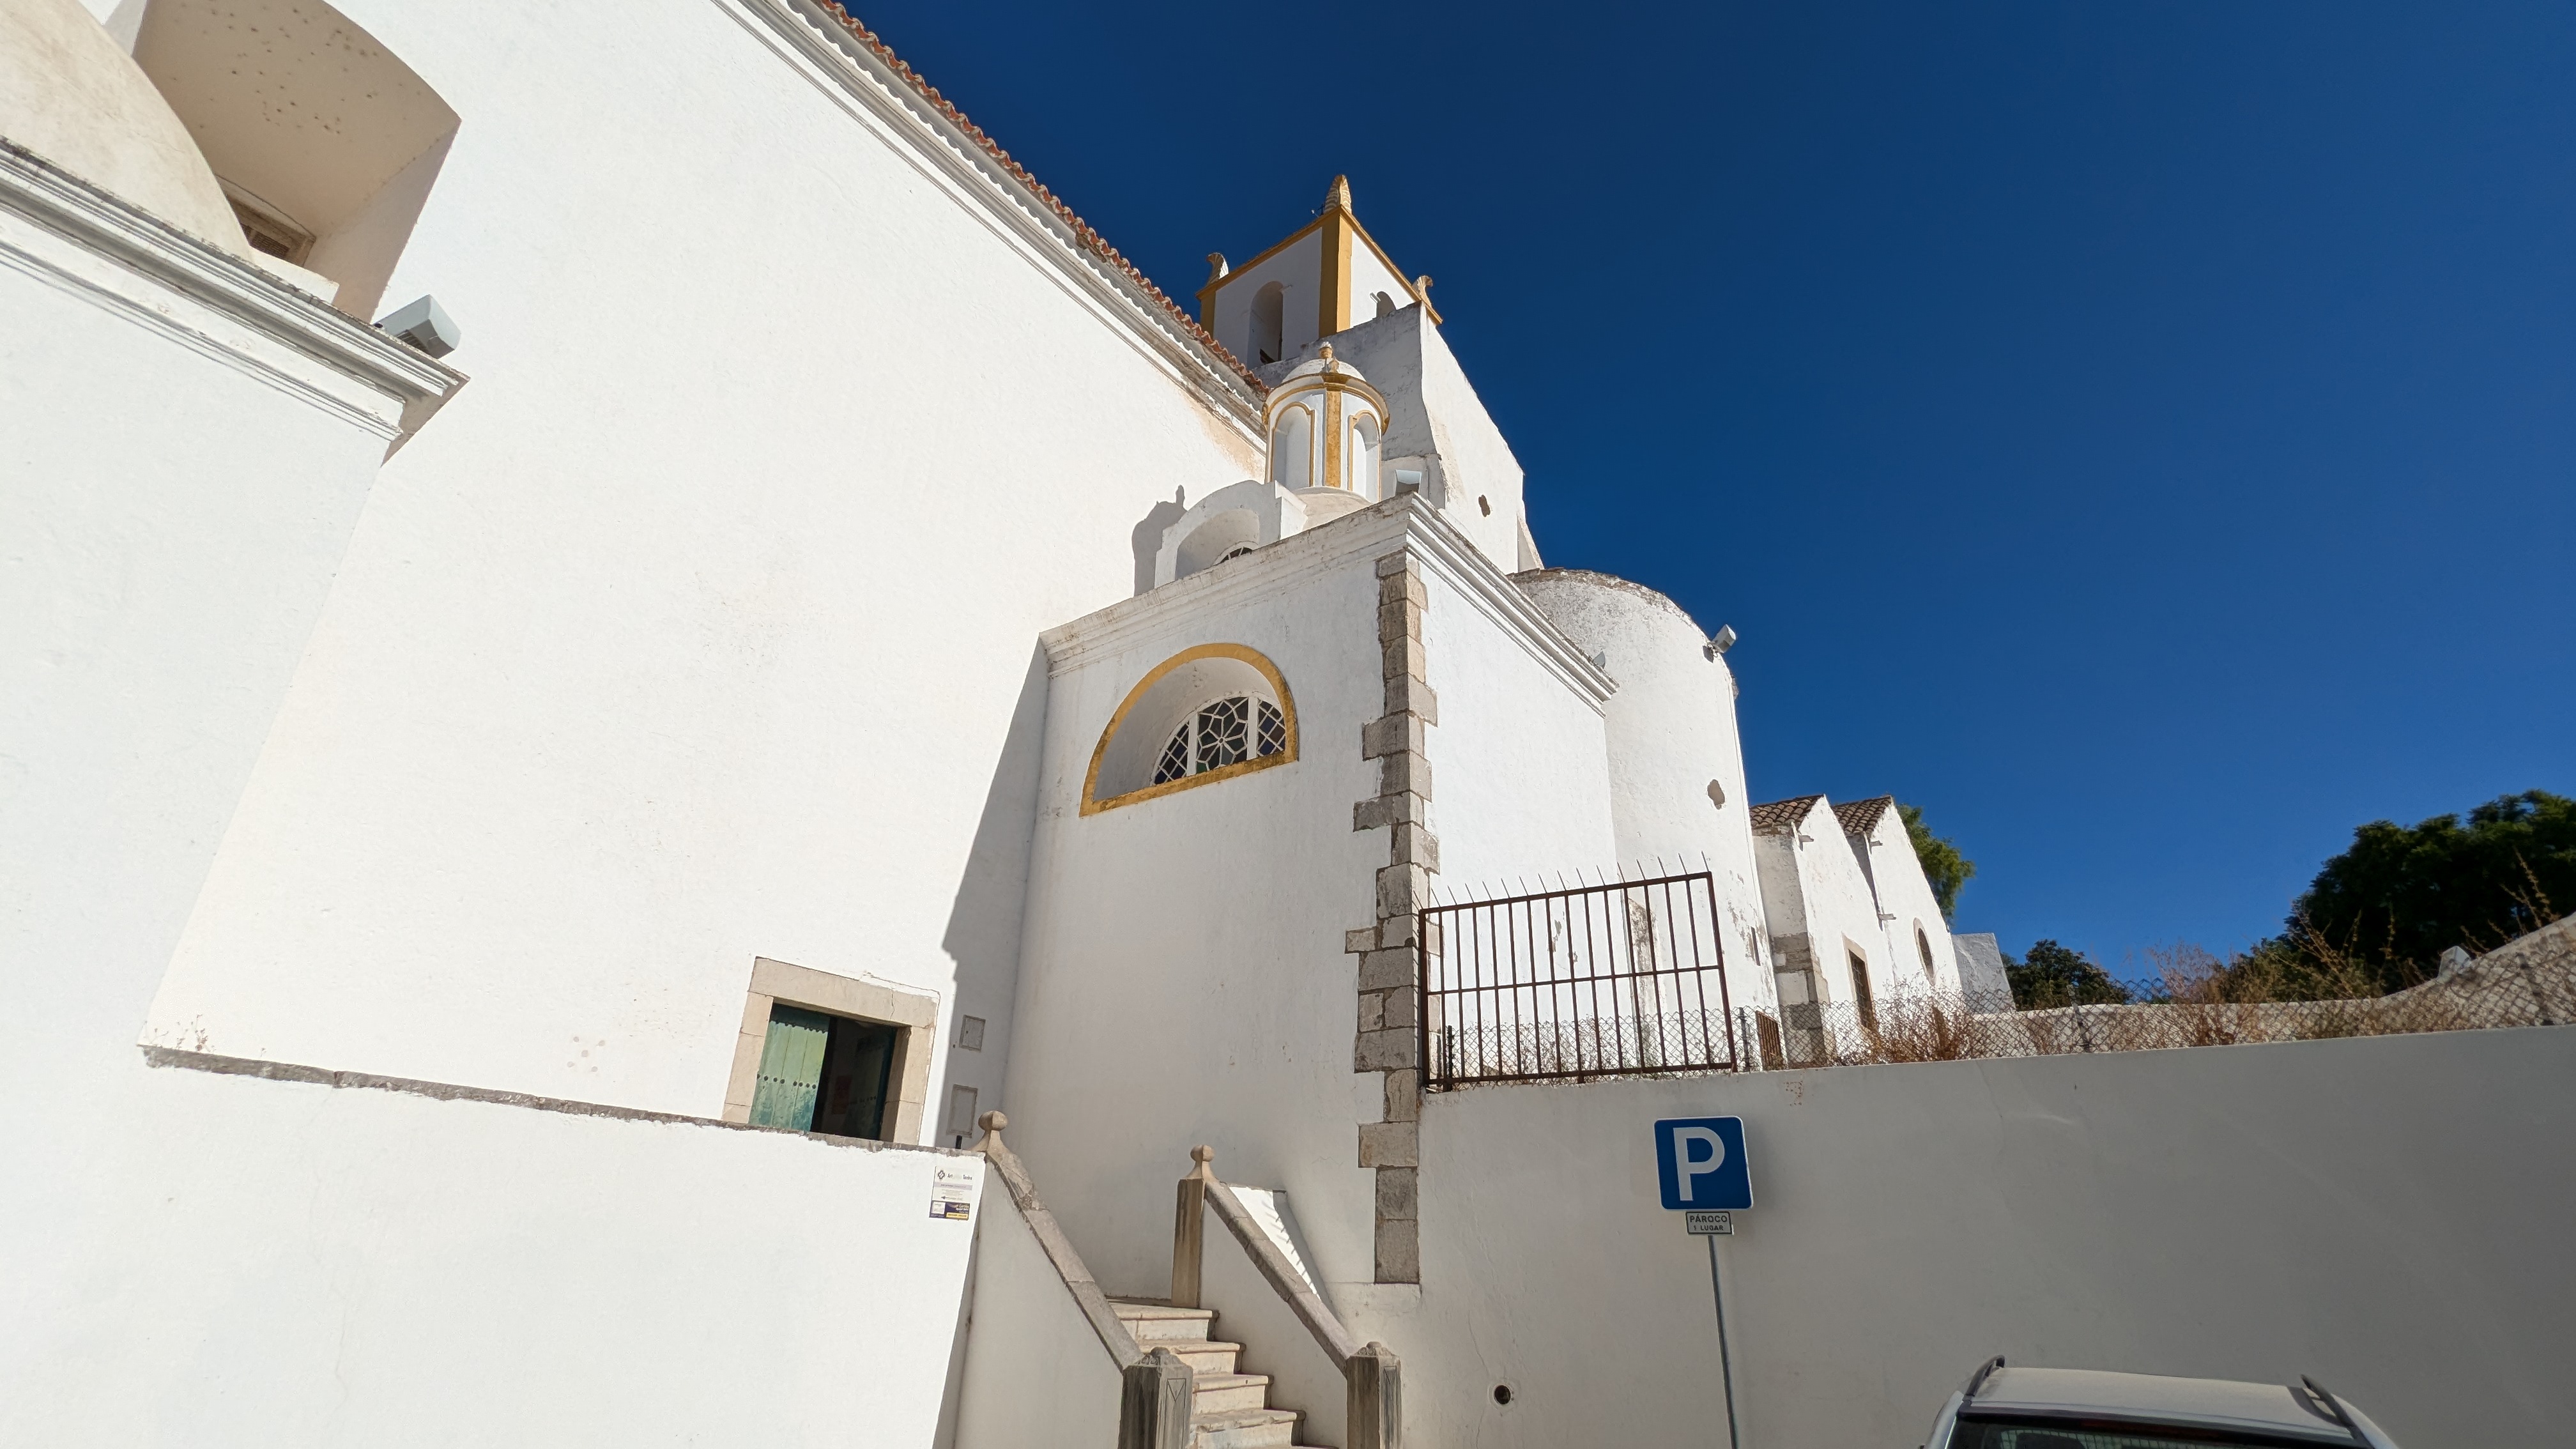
(1148, 541)
(983, 934)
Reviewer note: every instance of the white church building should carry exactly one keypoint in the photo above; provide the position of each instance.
(614, 629)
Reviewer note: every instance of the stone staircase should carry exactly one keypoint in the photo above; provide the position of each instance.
(1230, 1410)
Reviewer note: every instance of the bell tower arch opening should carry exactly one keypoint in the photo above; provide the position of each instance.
(1269, 317)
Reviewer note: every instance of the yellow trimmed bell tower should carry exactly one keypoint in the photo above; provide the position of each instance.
(1326, 277)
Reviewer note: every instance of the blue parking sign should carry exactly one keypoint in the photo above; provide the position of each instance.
(1699, 1163)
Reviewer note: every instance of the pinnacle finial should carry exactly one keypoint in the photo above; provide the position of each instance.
(1340, 195)
(1326, 355)
(1216, 266)
(1202, 1153)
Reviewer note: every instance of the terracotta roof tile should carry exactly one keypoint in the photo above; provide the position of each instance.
(1782, 816)
(1083, 234)
(1862, 816)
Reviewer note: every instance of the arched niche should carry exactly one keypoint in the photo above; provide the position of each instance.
(326, 143)
(1172, 698)
(1292, 448)
(1220, 537)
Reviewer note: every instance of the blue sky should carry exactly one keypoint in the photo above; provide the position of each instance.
(2145, 436)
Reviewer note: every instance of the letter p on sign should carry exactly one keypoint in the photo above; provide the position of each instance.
(1699, 1163)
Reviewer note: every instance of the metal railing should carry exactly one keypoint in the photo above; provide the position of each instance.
(1624, 978)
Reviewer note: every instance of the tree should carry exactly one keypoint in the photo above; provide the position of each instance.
(2401, 896)
(1943, 865)
(2052, 975)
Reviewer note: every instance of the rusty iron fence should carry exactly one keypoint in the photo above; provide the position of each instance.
(2531, 989)
(1623, 978)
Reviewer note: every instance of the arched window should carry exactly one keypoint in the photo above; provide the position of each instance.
(1203, 715)
(1363, 480)
(1269, 308)
(1292, 449)
(1227, 732)
(1923, 947)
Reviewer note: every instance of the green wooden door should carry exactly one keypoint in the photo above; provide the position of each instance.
(791, 1068)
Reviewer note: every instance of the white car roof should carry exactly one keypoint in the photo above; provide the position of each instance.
(2213, 1403)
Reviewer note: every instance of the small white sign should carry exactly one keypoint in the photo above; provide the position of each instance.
(1709, 1225)
(952, 1194)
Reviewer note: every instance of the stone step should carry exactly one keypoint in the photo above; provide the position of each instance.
(1155, 1324)
(1218, 1392)
(1204, 1356)
(1244, 1429)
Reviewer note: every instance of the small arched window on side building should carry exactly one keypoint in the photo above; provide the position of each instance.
(1923, 947)
(1364, 450)
(1206, 714)
(1269, 313)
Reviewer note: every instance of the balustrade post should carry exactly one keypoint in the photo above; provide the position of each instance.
(1375, 1403)
(1189, 1222)
(1154, 1395)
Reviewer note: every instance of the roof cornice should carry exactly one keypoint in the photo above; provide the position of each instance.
(1403, 522)
(65, 231)
(907, 110)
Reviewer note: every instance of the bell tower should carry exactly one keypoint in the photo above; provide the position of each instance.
(1328, 275)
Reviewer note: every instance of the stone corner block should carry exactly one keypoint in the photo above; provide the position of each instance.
(1386, 1051)
(1389, 967)
(1399, 1251)
(1390, 1144)
(1397, 1194)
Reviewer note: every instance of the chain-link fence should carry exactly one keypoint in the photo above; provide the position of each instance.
(2531, 983)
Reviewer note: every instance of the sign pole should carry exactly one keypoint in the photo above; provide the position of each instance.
(1701, 1172)
(1725, 1367)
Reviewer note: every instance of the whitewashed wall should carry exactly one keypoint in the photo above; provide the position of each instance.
(1520, 785)
(1036, 1374)
(1905, 901)
(1437, 423)
(2382, 1213)
(343, 1266)
(1183, 978)
(1812, 882)
(185, 455)
(1671, 734)
(1298, 268)
(705, 629)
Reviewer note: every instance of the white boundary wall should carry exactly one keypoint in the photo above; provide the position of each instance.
(310, 1265)
(1036, 1374)
(2388, 1214)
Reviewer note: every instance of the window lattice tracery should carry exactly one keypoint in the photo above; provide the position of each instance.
(1227, 732)
(1221, 733)
(1176, 756)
